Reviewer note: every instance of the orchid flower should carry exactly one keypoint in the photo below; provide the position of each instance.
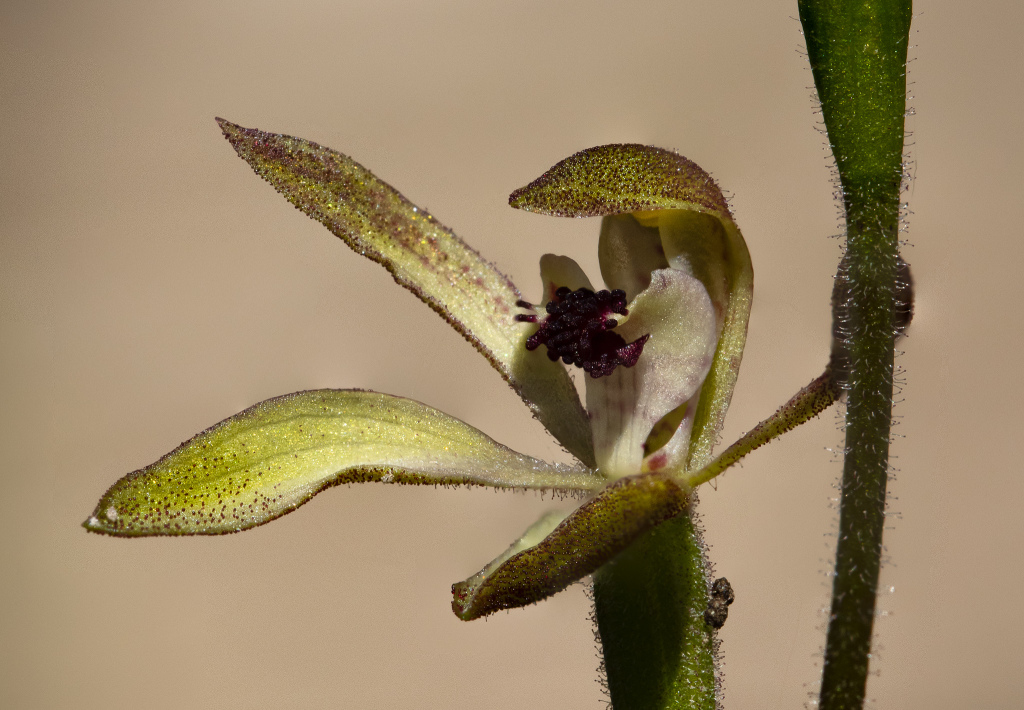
(659, 350)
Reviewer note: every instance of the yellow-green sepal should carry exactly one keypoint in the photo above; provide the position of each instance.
(273, 457)
(542, 563)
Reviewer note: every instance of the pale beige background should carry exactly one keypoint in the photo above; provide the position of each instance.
(152, 285)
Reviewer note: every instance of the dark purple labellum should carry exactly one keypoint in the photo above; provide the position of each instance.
(577, 329)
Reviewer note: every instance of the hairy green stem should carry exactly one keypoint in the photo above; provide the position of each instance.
(649, 602)
(857, 50)
(649, 605)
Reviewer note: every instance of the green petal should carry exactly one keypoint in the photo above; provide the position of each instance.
(425, 257)
(273, 457)
(589, 537)
(809, 402)
(716, 393)
(614, 179)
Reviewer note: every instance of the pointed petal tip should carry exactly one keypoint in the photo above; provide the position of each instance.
(242, 138)
(235, 133)
(95, 524)
(518, 199)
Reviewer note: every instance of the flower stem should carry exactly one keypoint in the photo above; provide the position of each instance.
(649, 603)
(857, 51)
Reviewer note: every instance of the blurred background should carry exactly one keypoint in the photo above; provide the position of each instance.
(151, 285)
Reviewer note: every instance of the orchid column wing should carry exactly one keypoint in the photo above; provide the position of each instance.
(273, 457)
(427, 258)
(678, 318)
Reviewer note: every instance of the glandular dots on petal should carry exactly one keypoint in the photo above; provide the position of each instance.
(578, 329)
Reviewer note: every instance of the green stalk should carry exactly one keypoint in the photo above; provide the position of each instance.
(649, 607)
(857, 50)
(649, 602)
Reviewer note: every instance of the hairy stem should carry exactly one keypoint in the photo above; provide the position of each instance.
(857, 50)
(649, 602)
(649, 607)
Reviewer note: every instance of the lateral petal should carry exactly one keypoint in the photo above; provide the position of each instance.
(715, 252)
